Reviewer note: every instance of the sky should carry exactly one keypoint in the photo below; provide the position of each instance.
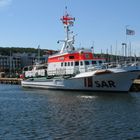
(99, 23)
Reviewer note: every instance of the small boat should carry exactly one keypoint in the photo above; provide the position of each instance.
(78, 69)
(36, 70)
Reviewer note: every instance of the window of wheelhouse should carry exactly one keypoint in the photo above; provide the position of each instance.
(87, 63)
(61, 64)
(71, 57)
(41, 67)
(81, 63)
(100, 62)
(65, 63)
(94, 62)
(71, 63)
(68, 63)
(76, 63)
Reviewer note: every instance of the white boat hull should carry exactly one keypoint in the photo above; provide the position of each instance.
(105, 82)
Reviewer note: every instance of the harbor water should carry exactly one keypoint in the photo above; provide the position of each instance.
(32, 114)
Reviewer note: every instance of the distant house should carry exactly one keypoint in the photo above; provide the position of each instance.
(10, 63)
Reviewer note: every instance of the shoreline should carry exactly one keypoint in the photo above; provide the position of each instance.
(16, 81)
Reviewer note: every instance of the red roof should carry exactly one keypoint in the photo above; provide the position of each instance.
(72, 57)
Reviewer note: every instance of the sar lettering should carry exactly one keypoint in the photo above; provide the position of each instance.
(106, 84)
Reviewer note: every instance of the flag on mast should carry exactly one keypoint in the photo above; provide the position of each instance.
(130, 32)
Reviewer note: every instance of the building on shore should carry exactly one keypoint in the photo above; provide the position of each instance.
(10, 64)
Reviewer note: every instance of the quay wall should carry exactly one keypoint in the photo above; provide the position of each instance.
(10, 81)
(135, 86)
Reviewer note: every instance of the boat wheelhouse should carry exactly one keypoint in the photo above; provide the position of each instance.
(73, 63)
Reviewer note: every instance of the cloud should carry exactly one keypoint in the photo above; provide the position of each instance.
(4, 3)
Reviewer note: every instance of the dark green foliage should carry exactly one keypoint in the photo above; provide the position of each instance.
(7, 50)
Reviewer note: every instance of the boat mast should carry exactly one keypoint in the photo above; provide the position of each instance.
(68, 22)
(38, 53)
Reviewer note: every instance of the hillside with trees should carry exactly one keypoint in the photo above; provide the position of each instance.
(7, 50)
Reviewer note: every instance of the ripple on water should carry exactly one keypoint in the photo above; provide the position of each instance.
(37, 114)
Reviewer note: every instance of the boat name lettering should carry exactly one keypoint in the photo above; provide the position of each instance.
(61, 58)
(102, 84)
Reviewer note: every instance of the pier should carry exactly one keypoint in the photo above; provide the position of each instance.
(16, 81)
(136, 85)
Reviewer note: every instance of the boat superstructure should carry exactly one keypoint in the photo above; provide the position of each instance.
(70, 60)
(36, 70)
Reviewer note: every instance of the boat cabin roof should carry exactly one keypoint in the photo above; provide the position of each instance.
(76, 56)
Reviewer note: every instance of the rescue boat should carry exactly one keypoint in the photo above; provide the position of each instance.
(78, 69)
